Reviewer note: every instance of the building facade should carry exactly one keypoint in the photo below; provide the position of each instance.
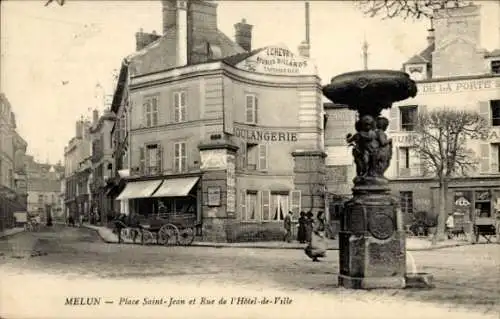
(77, 166)
(453, 71)
(231, 135)
(102, 164)
(13, 184)
(43, 188)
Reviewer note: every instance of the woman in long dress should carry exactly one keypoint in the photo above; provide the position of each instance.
(301, 233)
(317, 245)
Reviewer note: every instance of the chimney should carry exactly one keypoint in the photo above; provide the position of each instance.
(169, 16)
(95, 117)
(79, 129)
(304, 49)
(182, 32)
(143, 39)
(243, 35)
(430, 36)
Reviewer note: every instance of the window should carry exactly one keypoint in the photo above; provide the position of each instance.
(248, 204)
(40, 198)
(251, 105)
(408, 117)
(180, 107)
(404, 157)
(180, 157)
(406, 202)
(262, 157)
(295, 203)
(151, 111)
(279, 206)
(122, 127)
(266, 209)
(153, 159)
(495, 157)
(495, 66)
(495, 112)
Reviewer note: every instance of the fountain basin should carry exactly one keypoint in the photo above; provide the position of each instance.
(370, 91)
(419, 280)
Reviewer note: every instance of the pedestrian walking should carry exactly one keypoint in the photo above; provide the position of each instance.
(301, 232)
(288, 227)
(318, 245)
(120, 223)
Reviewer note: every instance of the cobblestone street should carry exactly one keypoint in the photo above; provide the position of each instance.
(466, 277)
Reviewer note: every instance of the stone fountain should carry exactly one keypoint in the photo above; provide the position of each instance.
(372, 246)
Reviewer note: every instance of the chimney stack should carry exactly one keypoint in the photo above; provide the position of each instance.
(430, 36)
(95, 117)
(304, 49)
(305, 46)
(79, 129)
(243, 34)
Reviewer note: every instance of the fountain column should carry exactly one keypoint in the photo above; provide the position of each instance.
(372, 250)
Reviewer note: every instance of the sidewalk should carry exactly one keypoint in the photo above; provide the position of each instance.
(412, 244)
(11, 231)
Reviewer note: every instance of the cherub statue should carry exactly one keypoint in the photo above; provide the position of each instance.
(384, 153)
(366, 144)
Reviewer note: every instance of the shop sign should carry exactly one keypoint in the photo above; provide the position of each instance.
(213, 159)
(404, 139)
(213, 196)
(462, 201)
(460, 86)
(278, 60)
(258, 135)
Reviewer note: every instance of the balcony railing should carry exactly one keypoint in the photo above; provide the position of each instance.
(152, 170)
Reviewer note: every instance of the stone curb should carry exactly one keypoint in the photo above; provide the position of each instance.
(3, 235)
(257, 246)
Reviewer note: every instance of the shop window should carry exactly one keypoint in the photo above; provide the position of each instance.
(406, 203)
(251, 107)
(180, 157)
(483, 203)
(408, 117)
(150, 108)
(495, 67)
(262, 157)
(180, 108)
(495, 112)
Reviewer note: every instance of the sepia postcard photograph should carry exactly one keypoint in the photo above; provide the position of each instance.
(249, 159)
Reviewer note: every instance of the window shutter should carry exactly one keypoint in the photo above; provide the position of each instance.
(394, 113)
(265, 199)
(243, 204)
(183, 110)
(484, 153)
(176, 106)
(184, 157)
(256, 109)
(494, 158)
(396, 157)
(484, 111)
(176, 157)
(142, 160)
(154, 111)
(159, 158)
(248, 109)
(295, 203)
(142, 115)
(262, 156)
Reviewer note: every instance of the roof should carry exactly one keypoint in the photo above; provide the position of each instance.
(493, 54)
(237, 58)
(423, 57)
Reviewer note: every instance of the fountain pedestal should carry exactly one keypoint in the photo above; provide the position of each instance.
(372, 246)
(372, 242)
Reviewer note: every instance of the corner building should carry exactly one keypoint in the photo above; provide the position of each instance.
(235, 140)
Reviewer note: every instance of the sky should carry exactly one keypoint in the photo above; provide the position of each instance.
(57, 62)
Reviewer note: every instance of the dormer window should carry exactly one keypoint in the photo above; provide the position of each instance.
(416, 71)
(495, 66)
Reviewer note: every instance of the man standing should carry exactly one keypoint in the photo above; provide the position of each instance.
(288, 227)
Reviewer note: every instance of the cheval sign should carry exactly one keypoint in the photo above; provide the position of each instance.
(278, 60)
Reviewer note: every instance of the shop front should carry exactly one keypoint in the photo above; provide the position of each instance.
(171, 199)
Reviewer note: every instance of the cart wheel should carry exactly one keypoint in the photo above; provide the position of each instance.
(147, 237)
(168, 235)
(186, 236)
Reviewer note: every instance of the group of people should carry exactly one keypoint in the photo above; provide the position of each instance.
(311, 231)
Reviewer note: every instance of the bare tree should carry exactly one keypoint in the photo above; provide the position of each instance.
(441, 140)
(416, 9)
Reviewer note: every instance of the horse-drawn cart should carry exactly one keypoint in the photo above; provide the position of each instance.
(485, 227)
(170, 229)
